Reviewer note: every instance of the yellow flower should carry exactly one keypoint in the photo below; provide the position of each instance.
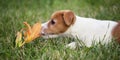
(29, 34)
(32, 32)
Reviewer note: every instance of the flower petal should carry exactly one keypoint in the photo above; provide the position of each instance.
(34, 32)
(18, 40)
(29, 30)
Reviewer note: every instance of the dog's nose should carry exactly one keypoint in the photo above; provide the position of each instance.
(42, 33)
(44, 27)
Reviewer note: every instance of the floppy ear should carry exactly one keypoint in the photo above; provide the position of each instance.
(69, 17)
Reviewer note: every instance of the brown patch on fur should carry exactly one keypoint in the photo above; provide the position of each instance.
(63, 20)
(116, 32)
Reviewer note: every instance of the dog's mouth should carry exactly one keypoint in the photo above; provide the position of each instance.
(46, 34)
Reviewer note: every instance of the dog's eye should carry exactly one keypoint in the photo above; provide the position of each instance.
(52, 22)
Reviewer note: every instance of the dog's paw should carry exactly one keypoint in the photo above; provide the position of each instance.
(71, 45)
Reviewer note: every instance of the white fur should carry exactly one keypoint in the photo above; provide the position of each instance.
(89, 30)
(45, 26)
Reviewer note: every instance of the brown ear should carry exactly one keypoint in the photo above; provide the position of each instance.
(69, 17)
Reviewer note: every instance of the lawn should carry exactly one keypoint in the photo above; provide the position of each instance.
(14, 12)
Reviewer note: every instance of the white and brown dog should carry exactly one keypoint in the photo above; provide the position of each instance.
(66, 23)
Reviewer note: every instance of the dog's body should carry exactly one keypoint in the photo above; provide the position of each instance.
(91, 30)
(65, 23)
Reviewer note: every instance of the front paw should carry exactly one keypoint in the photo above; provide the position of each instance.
(71, 45)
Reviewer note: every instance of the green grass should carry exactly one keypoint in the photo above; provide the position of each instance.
(14, 12)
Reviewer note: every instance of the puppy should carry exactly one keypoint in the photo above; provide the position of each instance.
(65, 23)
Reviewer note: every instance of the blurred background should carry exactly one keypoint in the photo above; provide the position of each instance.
(14, 12)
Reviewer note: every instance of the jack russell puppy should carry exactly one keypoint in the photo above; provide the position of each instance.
(65, 23)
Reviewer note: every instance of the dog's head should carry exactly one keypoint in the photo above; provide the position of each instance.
(59, 22)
